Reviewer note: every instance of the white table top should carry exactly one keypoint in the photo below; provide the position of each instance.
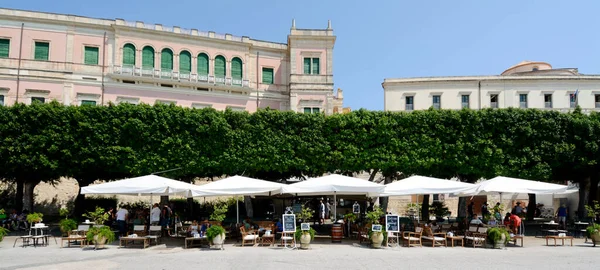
(581, 223)
(550, 223)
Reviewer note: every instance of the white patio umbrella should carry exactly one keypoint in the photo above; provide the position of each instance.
(237, 185)
(148, 185)
(507, 185)
(334, 184)
(419, 185)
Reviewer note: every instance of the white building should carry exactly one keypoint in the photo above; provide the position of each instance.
(525, 85)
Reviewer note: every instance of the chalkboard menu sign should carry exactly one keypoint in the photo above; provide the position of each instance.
(289, 223)
(391, 223)
(356, 208)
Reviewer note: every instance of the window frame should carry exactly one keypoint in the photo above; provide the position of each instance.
(496, 102)
(87, 102)
(1, 100)
(85, 47)
(439, 103)
(311, 65)
(8, 51)
(263, 75)
(548, 103)
(412, 103)
(467, 104)
(35, 45)
(526, 102)
(38, 99)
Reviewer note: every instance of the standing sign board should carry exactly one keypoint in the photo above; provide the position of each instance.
(289, 223)
(305, 226)
(356, 208)
(391, 223)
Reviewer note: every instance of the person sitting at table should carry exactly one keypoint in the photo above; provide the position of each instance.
(475, 220)
(278, 225)
(204, 227)
(139, 219)
(193, 229)
(247, 224)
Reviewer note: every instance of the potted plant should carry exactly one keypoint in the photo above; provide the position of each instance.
(100, 236)
(2, 214)
(34, 217)
(306, 236)
(66, 225)
(216, 233)
(99, 216)
(3, 232)
(376, 237)
(593, 233)
(439, 209)
(498, 237)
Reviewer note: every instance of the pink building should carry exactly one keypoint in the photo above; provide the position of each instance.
(78, 60)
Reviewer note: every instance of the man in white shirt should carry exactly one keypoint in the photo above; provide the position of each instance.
(122, 220)
(155, 215)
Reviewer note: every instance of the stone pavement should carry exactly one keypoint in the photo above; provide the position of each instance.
(322, 255)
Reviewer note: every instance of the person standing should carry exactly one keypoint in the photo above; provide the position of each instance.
(517, 210)
(562, 215)
(322, 212)
(484, 211)
(166, 216)
(470, 210)
(122, 216)
(155, 215)
(328, 210)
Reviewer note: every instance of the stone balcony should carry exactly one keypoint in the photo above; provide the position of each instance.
(175, 76)
(48, 66)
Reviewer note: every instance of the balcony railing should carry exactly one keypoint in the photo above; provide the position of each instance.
(523, 105)
(572, 104)
(548, 104)
(436, 106)
(409, 107)
(465, 105)
(494, 105)
(170, 75)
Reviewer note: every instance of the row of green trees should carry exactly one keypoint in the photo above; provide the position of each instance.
(43, 142)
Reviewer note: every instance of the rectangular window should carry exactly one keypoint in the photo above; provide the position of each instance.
(316, 110)
(597, 100)
(311, 110)
(88, 102)
(547, 100)
(312, 66)
(464, 101)
(38, 100)
(307, 110)
(4, 47)
(1, 100)
(267, 75)
(90, 56)
(409, 103)
(523, 101)
(42, 51)
(494, 101)
(437, 102)
(572, 100)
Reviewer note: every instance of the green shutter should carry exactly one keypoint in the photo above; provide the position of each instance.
(148, 57)
(220, 66)
(4, 48)
(315, 110)
(166, 60)
(202, 64)
(128, 55)
(42, 50)
(315, 66)
(91, 56)
(185, 62)
(236, 68)
(307, 110)
(88, 102)
(1, 100)
(267, 76)
(306, 65)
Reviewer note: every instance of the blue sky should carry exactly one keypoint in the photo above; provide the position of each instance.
(387, 39)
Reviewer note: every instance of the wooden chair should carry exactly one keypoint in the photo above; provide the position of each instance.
(413, 238)
(154, 233)
(475, 236)
(251, 236)
(268, 239)
(140, 230)
(363, 235)
(76, 235)
(435, 238)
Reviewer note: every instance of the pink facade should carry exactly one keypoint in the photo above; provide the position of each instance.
(65, 75)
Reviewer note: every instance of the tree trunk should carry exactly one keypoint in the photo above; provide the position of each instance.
(531, 207)
(79, 207)
(372, 176)
(164, 200)
(425, 208)
(584, 187)
(383, 201)
(28, 196)
(462, 207)
(248, 204)
(19, 196)
(593, 194)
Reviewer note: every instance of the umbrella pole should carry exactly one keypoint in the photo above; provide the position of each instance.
(334, 207)
(237, 209)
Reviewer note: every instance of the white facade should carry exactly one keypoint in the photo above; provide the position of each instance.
(540, 87)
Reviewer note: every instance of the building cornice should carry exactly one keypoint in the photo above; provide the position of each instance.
(390, 82)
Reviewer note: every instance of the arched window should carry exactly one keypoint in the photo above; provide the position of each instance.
(236, 68)
(220, 67)
(202, 64)
(128, 55)
(166, 60)
(148, 57)
(185, 62)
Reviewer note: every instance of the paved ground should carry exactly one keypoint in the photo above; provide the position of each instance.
(322, 255)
